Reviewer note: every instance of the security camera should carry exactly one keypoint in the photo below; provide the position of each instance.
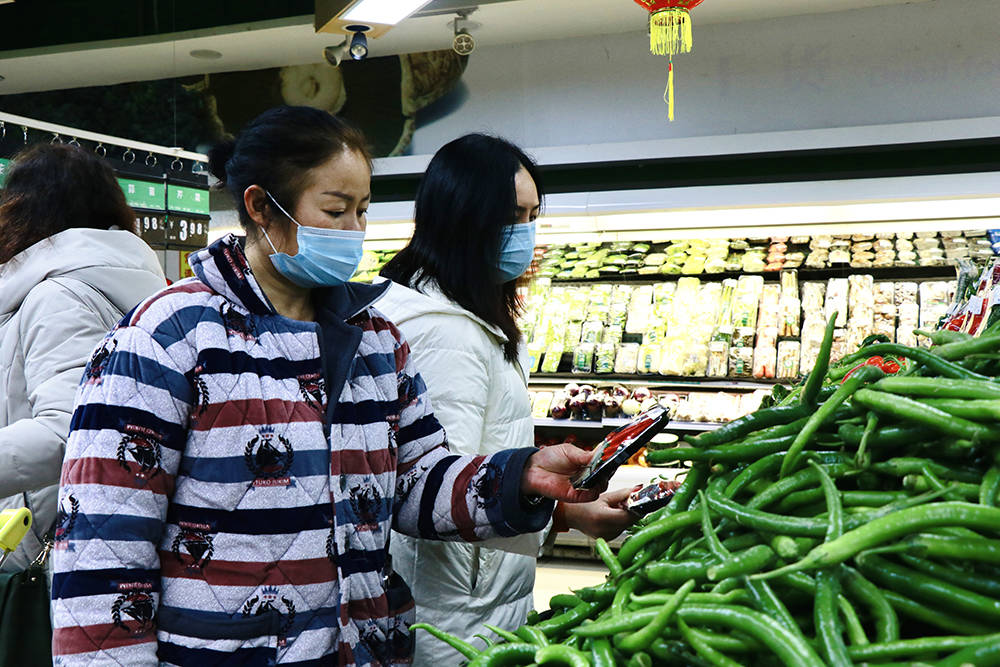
(336, 54)
(463, 44)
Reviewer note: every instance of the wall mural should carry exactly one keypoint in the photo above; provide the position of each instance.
(382, 96)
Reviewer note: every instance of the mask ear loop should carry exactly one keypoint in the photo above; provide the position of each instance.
(271, 197)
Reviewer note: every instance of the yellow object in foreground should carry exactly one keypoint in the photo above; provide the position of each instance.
(14, 524)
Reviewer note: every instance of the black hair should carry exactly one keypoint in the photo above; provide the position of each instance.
(277, 149)
(464, 205)
(54, 187)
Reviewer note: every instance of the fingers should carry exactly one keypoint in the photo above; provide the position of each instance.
(617, 497)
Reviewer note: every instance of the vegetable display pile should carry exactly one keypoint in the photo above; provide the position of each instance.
(854, 522)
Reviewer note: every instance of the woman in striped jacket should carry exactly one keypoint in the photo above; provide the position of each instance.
(243, 441)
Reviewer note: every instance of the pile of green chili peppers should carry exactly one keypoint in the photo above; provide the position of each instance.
(854, 522)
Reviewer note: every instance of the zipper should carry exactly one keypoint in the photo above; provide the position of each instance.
(474, 579)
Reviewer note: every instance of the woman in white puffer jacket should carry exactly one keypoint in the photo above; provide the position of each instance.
(70, 266)
(454, 298)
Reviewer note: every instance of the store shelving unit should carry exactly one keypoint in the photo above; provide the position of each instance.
(617, 422)
(909, 273)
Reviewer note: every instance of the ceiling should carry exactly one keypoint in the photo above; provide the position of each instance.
(272, 39)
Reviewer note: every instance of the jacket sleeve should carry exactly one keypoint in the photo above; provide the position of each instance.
(458, 385)
(446, 496)
(57, 335)
(127, 436)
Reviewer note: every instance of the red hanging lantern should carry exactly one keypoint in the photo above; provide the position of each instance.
(669, 34)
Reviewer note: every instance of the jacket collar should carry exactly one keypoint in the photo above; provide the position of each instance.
(429, 298)
(223, 266)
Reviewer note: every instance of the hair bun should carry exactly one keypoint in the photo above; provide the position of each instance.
(218, 156)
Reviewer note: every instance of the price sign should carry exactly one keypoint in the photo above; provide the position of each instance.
(187, 200)
(151, 229)
(147, 195)
(187, 230)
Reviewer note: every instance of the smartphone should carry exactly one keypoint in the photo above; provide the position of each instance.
(620, 445)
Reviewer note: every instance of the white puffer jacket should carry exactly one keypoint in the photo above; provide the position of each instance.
(482, 401)
(58, 299)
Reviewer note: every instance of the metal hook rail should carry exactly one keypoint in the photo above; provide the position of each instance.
(100, 139)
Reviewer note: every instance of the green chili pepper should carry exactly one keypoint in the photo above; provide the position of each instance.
(747, 451)
(750, 561)
(463, 647)
(641, 639)
(601, 653)
(932, 361)
(932, 387)
(915, 411)
(557, 625)
(765, 521)
(503, 655)
(761, 466)
(942, 336)
(486, 640)
(703, 649)
(914, 647)
(815, 379)
(886, 621)
(503, 634)
(659, 598)
(980, 583)
(653, 531)
(750, 423)
(640, 660)
(789, 648)
(825, 412)
(939, 593)
(990, 487)
(607, 627)
(862, 458)
(979, 655)
(930, 616)
(564, 601)
(672, 573)
(961, 348)
(982, 409)
(604, 551)
(885, 528)
(561, 655)
(623, 595)
(532, 635)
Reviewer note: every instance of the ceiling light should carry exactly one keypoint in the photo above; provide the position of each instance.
(385, 12)
(359, 43)
(205, 54)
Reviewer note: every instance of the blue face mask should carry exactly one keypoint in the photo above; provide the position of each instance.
(517, 249)
(326, 257)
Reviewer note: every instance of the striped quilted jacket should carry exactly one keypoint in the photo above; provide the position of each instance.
(232, 475)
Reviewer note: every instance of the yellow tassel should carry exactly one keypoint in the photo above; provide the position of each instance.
(668, 95)
(670, 32)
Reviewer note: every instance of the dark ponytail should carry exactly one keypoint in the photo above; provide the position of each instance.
(277, 149)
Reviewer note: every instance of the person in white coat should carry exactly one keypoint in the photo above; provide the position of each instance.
(70, 267)
(454, 298)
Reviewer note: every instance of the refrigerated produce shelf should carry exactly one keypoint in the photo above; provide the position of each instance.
(909, 273)
(656, 381)
(616, 422)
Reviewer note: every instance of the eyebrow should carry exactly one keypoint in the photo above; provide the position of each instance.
(533, 208)
(345, 196)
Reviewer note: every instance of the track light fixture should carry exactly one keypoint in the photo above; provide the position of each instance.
(359, 43)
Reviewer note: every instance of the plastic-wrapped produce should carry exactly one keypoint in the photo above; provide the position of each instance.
(553, 355)
(604, 358)
(574, 331)
(885, 310)
(746, 301)
(741, 362)
(764, 361)
(592, 332)
(648, 362)
(813, 327)
(789, 352)
(718, 359)
(836, 300)
(626, 361)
